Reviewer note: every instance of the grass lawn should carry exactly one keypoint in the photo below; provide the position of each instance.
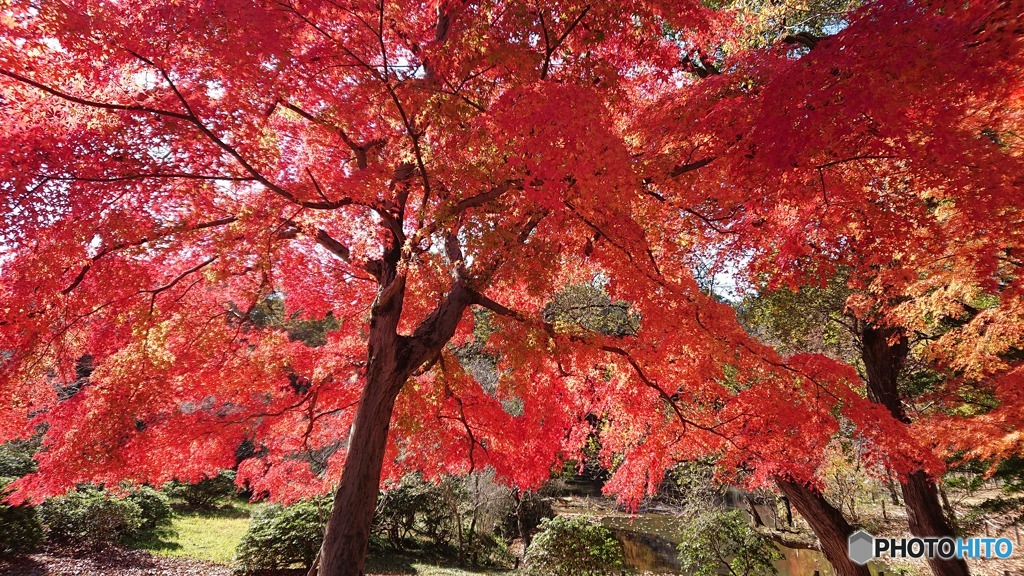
(213, 535)
(209, 535)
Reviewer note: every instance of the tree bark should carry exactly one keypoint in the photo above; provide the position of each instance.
(829, 525)
(389, 365)
(391, 360)
(926, 518)
(884, 353)
(789, 512)
(348, 530)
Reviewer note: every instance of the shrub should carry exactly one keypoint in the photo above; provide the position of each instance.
(400, 507)
(155, 507)
(16, 458)
(207, 493)
(718, 542)
(573, 547)
(464, 517)
(90, 515)
(21, 530)
(416, 509)
(279, 536)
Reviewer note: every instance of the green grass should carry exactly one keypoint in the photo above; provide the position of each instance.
(213, 535)
(209, 535)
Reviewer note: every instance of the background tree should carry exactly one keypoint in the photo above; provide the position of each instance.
(891, 196)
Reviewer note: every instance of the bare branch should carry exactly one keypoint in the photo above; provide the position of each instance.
(482, 300)
(854, 158)
(152, 176)
(681, 169)
(805, 39)
(485, 197)
(552, 47)
(360, 150)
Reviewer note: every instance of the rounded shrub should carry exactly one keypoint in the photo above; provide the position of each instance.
(280, 536)
(20, 529)
(154, 506)
(573, 546)
(90, 515)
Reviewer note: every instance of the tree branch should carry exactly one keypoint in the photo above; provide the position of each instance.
(680, 169)
(551, 48)
(439, 326)
(94, 103)
(145, 239)
(333, 246)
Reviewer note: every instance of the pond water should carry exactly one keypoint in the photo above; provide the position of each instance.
(649, 542)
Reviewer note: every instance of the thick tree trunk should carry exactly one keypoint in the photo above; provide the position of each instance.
(884, 353)
(829, 525)
(391, 360)
(348, 530)
(388, 367)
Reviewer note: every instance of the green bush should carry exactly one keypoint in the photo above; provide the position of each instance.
(20, 528)
(16, 458)
(155, 507)
(722, 542)
(573, 547)
(280, 536)
(90, 515)
(416, 509)
(207, 493)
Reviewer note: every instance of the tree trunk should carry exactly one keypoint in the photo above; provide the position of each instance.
(926, 518)
(890, 486)
(391, 360)
(521, 524)
(829, 525)
(348, 530)
(884, 353)
(754, 514)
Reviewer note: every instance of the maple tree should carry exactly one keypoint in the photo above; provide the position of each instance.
(399, 167)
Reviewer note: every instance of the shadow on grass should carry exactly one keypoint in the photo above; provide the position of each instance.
(422, 560)
(158, 540)
(388, 562)
(225, 511)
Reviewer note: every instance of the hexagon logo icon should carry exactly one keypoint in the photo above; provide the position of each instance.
(861, 547)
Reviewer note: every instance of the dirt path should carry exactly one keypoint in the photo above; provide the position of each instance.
(120, 562)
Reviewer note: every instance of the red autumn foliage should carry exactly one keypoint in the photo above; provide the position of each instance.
(167, 167)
